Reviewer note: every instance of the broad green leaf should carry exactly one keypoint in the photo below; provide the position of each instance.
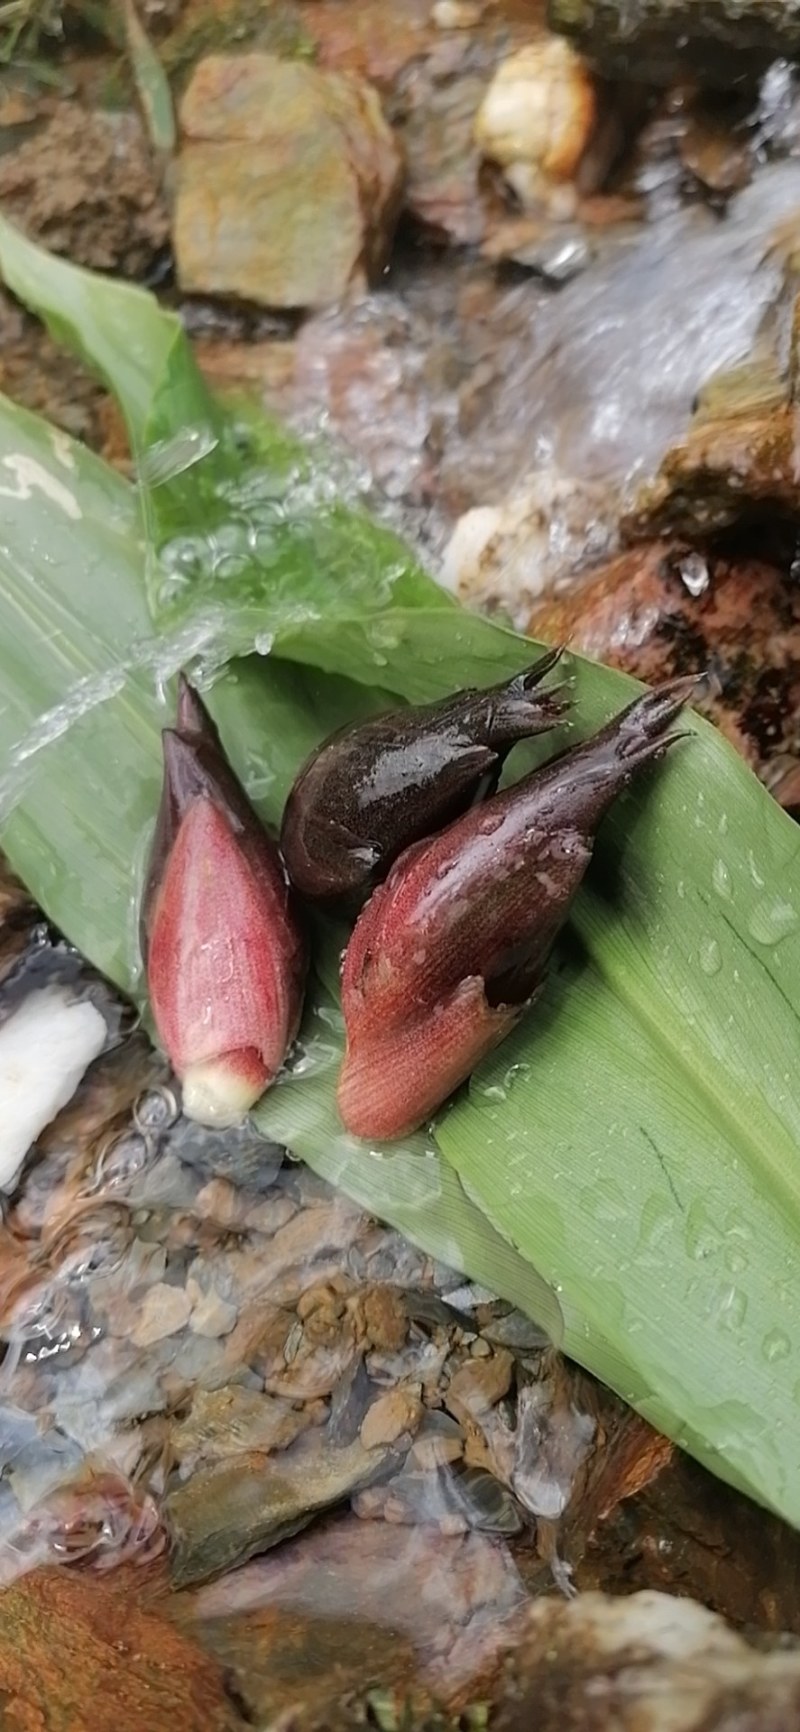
(409, 1184)
(117, 328)
(638, 1138)
(79, 745)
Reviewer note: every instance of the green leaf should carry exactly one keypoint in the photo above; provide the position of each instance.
(637, 1139)
(79, 739)
(118, 329)
(152, 83)
(409, 1185)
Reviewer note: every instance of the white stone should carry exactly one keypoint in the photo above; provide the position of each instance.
(45, 1048)
(505, 557)
(538, 114)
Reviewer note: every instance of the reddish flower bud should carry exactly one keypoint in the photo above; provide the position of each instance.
(224, 954)
(449, 951)
(376, 787)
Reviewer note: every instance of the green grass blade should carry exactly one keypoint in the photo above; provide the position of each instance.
(152, 83)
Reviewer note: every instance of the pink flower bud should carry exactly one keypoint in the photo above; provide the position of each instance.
(448, 952)
(225, 956)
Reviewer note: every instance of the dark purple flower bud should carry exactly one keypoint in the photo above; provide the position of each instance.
(376, 787)
(449, 951)
(225, 957)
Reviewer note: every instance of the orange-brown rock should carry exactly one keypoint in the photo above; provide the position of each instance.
(288, 182)
(662, 610)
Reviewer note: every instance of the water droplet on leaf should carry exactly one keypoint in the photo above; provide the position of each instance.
(721, 880)
(772, 920)
(710, 956)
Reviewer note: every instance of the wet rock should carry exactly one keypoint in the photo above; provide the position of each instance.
(229, 1512)
(391, 1417)
(73, 1653)
(436, 118)
(556, 252)
(667, 609)
(480, 1384)
(381, 1318)
(716, 42)
(86, 186)
(313, 1369)
(646, 1663)
(297, 1671)
(716, 159)
(453, 1598)
(288, 183)
(212, 1315)
(553, 1441)
(537, 119)
(377, 42)
(504, 557)
(731, 466)
(164, 1310)
(454, 1503)
(648, 1516)
(228, 1422)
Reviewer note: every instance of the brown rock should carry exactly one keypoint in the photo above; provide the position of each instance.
(225, 1422)
(664, 610)
(288, 182)
(314, 1370)
(381, 1318)
(721, 163)
(392, 1416)
(727, 468)
(480, 1383)
(227, 1512)
(377, 42)
(80, 1651)
(313, 1231)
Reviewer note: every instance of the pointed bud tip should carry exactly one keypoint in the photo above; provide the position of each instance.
(220, 1092)
(542, 666)
(192, 715)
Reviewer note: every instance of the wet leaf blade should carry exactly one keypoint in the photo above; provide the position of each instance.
(661, 1063)
(79, 745)
(409, 1185)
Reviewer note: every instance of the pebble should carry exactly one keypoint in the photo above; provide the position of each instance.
(392, 1415)
(431, 1452)
(456, 14)
(480, 1383)
(211, 1314)
(163, 1312)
